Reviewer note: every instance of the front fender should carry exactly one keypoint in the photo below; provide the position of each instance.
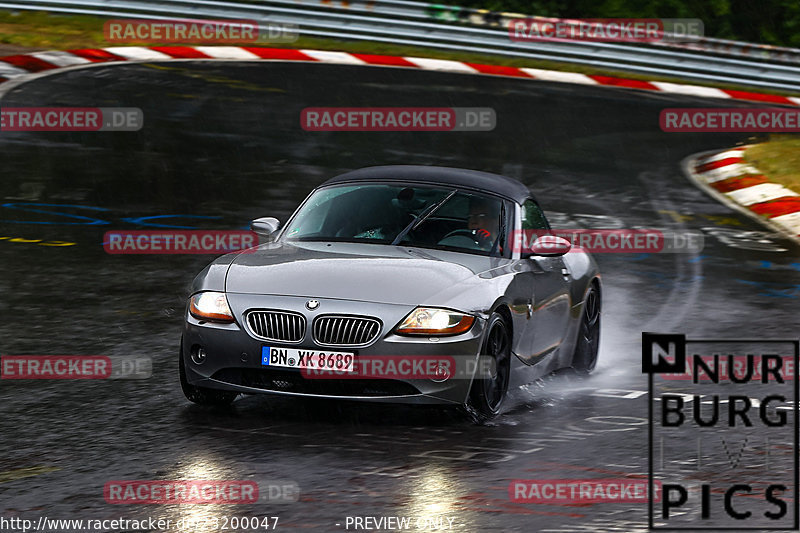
(212, 277)
(583, 269)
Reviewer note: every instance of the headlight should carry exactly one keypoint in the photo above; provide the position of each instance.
(433, 321)
(210, 306)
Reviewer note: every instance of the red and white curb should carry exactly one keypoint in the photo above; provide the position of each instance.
(727, 177)
(17, 67)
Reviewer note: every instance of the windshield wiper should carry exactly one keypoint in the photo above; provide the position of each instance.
(421, 218)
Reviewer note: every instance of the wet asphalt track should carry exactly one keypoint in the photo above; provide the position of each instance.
(223, 140)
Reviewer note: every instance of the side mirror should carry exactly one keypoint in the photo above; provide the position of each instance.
(549, 246)
(265, 226)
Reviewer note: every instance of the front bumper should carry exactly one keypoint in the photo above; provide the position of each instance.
(233, 360)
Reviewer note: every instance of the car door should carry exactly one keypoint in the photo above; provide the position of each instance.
(549, 306)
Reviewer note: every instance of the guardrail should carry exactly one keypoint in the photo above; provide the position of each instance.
(483, 17)
(414, 23)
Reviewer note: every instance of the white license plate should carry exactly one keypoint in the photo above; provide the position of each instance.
(308, 359)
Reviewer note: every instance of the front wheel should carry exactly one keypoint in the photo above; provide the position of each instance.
(202, 395)
(584, 360)
(487, 393)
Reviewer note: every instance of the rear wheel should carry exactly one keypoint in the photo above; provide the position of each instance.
(487, 393)
(584, 360)
(202, 395)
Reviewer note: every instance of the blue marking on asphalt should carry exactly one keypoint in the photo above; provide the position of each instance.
(18, 205)
(774, 290)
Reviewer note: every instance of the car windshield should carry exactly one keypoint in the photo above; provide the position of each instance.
(408, 215)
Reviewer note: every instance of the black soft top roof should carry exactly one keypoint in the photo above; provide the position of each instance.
(459, 177)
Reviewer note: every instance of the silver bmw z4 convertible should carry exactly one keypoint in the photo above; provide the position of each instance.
(404, 284)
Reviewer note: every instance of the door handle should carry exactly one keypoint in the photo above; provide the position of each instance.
(565, 272)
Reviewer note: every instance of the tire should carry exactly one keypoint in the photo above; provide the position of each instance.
(487, 394)
(202, 395)
(584, 359)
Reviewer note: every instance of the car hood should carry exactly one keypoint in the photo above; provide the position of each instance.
(349, 271)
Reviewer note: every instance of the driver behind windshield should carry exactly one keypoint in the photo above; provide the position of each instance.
(484, 221)
(390, 214)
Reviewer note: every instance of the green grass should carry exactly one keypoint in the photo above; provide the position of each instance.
(39, 30)
(35, 29)
(778, 159)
